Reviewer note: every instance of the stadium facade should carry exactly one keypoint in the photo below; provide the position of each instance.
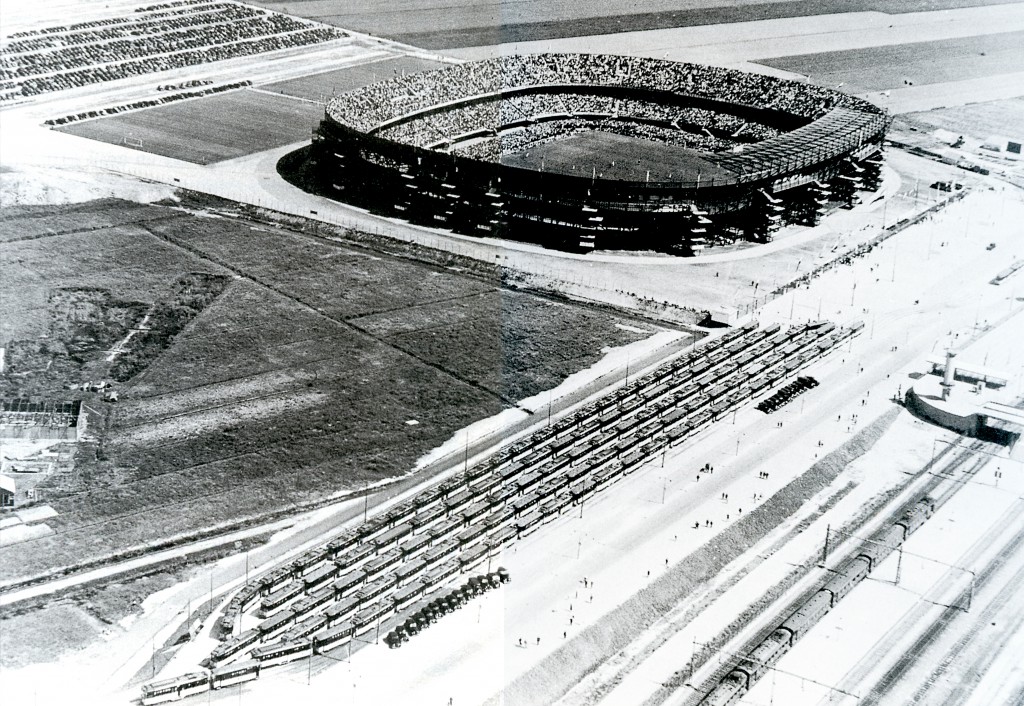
(754, 152)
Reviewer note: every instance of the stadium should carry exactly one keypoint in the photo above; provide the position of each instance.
(584, 151)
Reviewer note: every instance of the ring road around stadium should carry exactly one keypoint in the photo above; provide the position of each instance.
(580, 151)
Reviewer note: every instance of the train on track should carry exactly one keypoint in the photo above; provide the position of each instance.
(756, 663)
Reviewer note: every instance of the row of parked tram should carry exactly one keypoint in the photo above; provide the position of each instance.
(388, 562)
(756, 663)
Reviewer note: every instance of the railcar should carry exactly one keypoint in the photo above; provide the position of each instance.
(348, 583)
(162, 690)
(275, 625)
(372, 591)
(332, 638)
(313, 601)
(320, 577)
(804, 617)
(236, 645)
(548, 510)
(847, 579)
(275, 580)
(276, 601)
(414, 546)
(355, 556)
(283, 652)
(342, 610)
(368, 618)
(308, 561)
(486, 483)
(389, 540)
(442, 573)
(371, 529)
(877, 551)
(916, 516)
(763, 657)
(312, 624)
(471, 535)
(529, 523)
(376, 567)
(405, 596)
(727, 692)
(231, 674)
(427, 517)
(472, 558)
(438, 553)
(248, 597)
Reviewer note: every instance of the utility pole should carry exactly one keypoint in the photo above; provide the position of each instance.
(824, 553)
(899, 564)
(970, 593)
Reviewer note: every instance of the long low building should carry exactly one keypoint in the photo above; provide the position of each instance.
(685, 156)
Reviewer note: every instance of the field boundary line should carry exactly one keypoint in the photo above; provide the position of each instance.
(338, 321)
(255, 89)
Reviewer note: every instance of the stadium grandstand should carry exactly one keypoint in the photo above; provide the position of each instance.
(153, 38)
(686, 156)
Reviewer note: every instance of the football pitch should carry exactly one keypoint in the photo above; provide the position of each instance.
(605, 155)
(209, 129)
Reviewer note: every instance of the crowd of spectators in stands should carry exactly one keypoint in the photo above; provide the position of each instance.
(514, 122)
(155, 38)
(368, 107)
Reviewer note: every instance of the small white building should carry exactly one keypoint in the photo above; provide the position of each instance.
(8, 490)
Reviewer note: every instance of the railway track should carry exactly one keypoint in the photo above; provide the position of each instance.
(940, 486)
(893, 676)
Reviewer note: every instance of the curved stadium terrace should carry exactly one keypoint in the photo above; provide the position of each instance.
(586, 150)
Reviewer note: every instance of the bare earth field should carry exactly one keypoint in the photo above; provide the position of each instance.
(324, 85)
(209, 129)
(468, 23)
(295, 383)
(882, 68)
(616, 157)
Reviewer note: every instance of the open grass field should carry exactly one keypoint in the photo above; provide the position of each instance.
(980, 120)
(296, 382)
(469, 23)
(883, 68)
(322, 86)
(209, 129)
(97, 244)
(616, 157)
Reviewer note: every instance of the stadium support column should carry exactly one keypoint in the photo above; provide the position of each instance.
(696, 231)
(807, 204)
(847, 183)
(871, 179)
(765, 217)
